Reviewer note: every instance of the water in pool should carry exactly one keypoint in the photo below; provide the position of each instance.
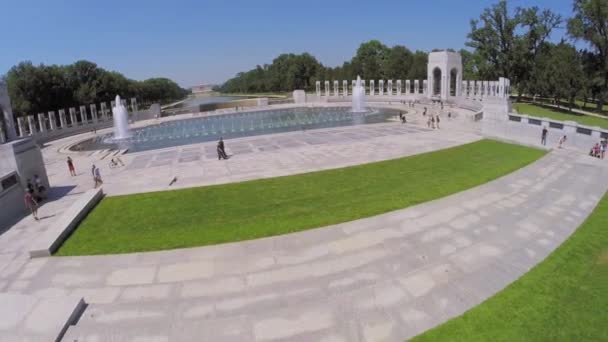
(211, 128)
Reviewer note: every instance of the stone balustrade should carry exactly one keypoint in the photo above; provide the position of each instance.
(47, 126)
(476, 90)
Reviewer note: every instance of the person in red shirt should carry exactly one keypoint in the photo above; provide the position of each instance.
(71, 167)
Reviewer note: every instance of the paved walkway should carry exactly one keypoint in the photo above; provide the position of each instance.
(387, 277)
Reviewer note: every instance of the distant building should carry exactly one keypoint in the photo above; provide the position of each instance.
(203, 88)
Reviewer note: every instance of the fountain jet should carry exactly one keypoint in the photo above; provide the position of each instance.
(121, 120)
(358, 97)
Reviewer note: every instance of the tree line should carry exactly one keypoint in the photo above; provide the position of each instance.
(373, 60)
(40, 88)
(503, 42)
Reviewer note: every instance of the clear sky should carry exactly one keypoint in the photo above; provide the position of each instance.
(196, 42)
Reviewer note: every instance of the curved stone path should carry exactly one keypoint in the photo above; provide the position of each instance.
(387, 277)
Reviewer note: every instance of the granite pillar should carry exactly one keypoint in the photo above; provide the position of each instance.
(42, 122)
(104, 111)
(318, 88)
(398, 87)
(62, 119)
(336, 88)
(52, 122)
(372, 88)
(93, 109)
(21, 126)
(31, 123)
(344, 87)
(73, 119)
(83, 115)
(327, 90)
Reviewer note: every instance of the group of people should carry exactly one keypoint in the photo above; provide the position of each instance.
(599, 149)
(402, 118)
(433, 122)
(410, 103)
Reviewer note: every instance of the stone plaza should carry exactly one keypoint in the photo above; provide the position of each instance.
(382, 278)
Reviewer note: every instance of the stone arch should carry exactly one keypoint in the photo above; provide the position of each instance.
(437, 81)
(453, 81)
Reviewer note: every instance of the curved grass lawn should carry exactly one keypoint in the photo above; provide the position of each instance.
(266, 207)
(564, 298)
(561, 115)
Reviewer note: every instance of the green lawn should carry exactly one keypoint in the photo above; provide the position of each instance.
(254, 209)
(564, 298)
(530, 109)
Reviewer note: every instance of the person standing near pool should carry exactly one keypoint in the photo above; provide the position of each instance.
(543, 136)
(221, 152)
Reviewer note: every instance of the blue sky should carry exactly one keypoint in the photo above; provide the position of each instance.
(196, 42)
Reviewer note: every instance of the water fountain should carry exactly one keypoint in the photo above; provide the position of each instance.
(358, 97)
(121, 121)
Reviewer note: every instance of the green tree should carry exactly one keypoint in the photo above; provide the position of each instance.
(590, 24)
(370, 59)
(493, 38)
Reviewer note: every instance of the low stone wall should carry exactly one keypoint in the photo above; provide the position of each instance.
(528, 128)
(63, 226)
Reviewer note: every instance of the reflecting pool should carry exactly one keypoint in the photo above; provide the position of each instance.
(211, 128)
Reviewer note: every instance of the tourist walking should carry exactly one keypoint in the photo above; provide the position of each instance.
(31, 204)
(602, 149)
(424, 112)
(562, 141)
(437, 121)
(221, 151)
(432, 121)
(97, 176)
(71, 167)
(543, 136)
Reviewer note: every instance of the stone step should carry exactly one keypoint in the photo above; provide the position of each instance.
(31, 318)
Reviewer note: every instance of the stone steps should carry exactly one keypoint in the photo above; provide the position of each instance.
(31, 318)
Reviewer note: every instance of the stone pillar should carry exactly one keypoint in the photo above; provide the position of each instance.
(389, 87)
(73, 119)
(123, 102)
(42, 122)
(425, 87)
(345, 87)
(21, 126)
(398, 87)
(416, 87)
(52, 121)
(93, 109)
(112, 104)
(62, 119)
(380, 87)
(317, 87)
(352, 85)
(134, 106)
(104, 111)
(6, 113)
(31, 122)
(363, 85)
(2, 135)
(336, 88)
(464, 88)
(327, 90)
(372, 88)
(408, 87)
(83, 115)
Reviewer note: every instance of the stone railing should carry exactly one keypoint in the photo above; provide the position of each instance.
(527, 127)
(477, 90)
(57, 124)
